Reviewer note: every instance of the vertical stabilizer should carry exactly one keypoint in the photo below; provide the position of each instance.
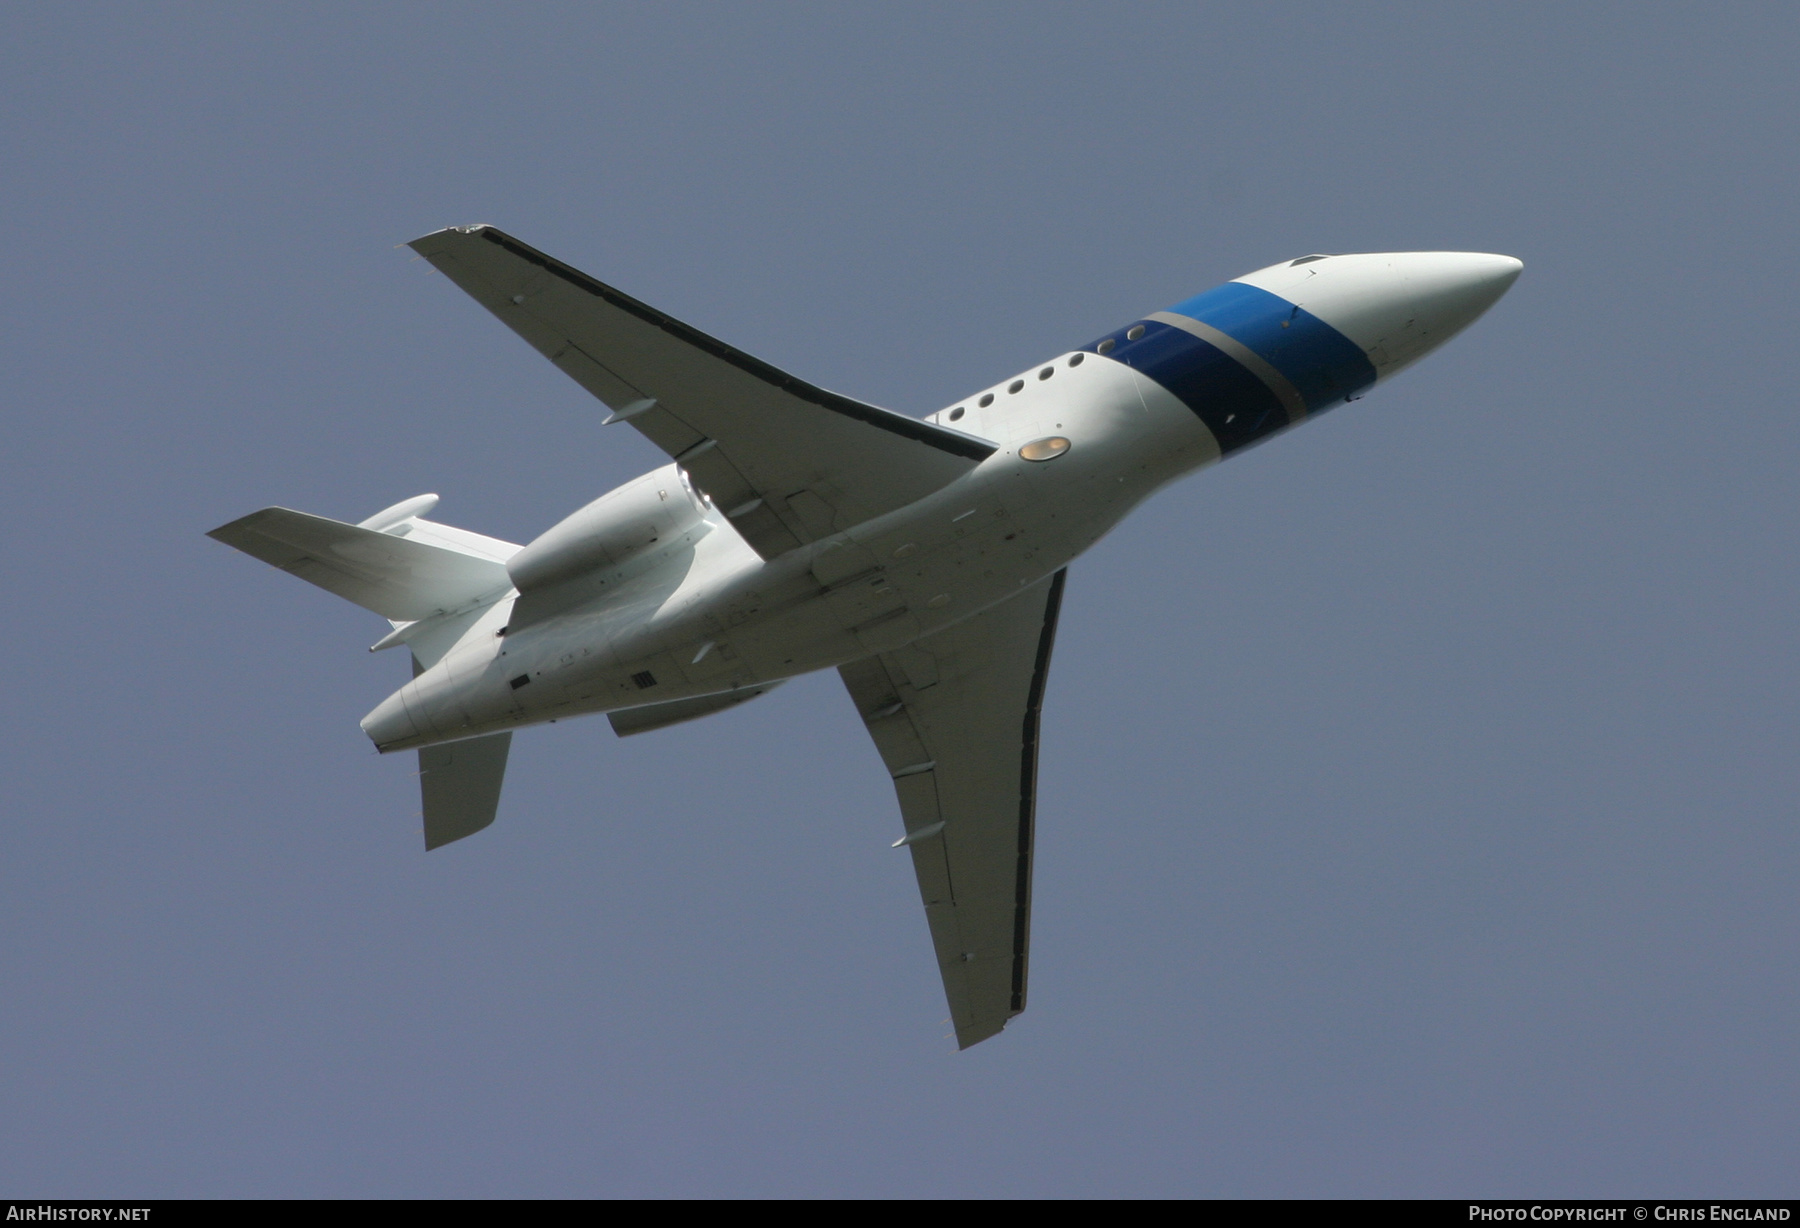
(460, 785)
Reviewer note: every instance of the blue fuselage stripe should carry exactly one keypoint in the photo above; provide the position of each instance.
(1326, 366)
(1322, 364)
(1236, 406)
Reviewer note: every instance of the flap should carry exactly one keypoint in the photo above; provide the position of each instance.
(785, 461)
(955, 717)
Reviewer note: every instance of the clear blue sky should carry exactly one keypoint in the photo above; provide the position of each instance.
(1418, 800)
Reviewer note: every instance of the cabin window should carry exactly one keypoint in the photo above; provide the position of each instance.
(956, 414)
(987, 400)
(1075, 359)
(1105, 347)
(1137, 330)
(1015, 385)
(1047, 372)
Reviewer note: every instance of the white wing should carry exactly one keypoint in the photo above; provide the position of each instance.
(787, 462)
(955, 717)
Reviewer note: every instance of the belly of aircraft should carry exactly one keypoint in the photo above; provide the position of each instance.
(880, 588)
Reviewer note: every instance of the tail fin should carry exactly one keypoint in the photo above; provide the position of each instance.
(459, 782)
(395, 564)
(406, 570)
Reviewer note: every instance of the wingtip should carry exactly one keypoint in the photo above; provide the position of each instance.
(968, 1038)
(473, 229)
(228, 530)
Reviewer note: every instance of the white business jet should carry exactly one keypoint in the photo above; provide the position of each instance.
(796, 530)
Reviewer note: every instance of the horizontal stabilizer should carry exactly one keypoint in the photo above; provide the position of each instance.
(628, 721)
(398, 578)
(460, 784)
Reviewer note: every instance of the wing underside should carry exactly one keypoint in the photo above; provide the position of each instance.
(955, 717)
(398, 578)
(785, 461)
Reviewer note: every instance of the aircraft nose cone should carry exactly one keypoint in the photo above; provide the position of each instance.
(1454, 288)
(1396, 306)
(1422, 299)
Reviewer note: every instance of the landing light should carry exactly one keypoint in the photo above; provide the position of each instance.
(1048, 448)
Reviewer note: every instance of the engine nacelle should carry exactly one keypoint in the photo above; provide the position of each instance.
(618, 526)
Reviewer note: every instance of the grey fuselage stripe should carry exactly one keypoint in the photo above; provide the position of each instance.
(1249, 359)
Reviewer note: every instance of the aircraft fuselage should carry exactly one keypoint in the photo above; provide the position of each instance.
(1108, 424)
